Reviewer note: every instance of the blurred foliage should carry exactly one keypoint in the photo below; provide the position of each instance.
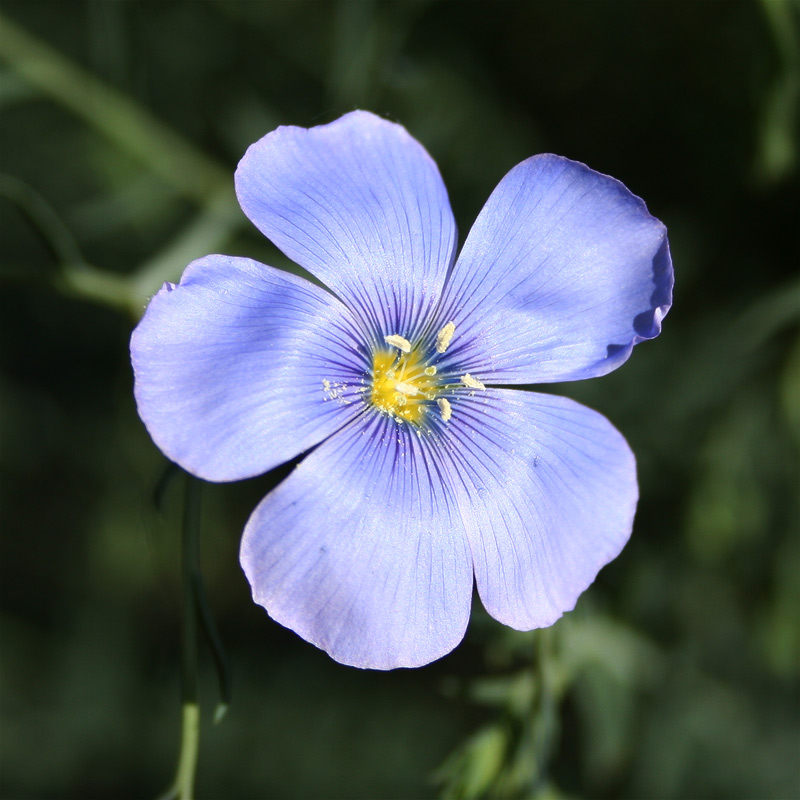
(676, 676)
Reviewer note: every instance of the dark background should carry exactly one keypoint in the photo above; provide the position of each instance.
(676, 676)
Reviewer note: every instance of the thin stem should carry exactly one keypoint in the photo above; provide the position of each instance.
(109, 111)
(133, 129)
(190, 742)
(214, 642)
(190, 571)
(55, 234)
(209, 230)
(545, 708)
(183, 787)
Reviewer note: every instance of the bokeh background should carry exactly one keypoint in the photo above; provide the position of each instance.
(676, 676)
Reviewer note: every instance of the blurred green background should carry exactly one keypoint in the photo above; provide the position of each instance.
(676, 676)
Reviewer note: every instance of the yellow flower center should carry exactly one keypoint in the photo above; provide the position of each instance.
(403, 380)
(403, 385)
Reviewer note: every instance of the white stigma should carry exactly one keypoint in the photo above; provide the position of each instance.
(445, 409)
(398, 341)
(407, 389)
(470, 382)
(444, 337)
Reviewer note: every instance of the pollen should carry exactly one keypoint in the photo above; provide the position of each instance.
(444, 337)
(445, 408)
(471, 383)
(336, 391)
(399, 342)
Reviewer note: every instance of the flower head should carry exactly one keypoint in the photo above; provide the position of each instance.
(422, 470)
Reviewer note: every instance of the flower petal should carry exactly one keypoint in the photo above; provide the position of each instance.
(562, 274)
(361, 551)
(361, 205)
(241, 367)
(547, 494)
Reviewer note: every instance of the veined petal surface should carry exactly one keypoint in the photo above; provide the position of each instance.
(361, 205)
(562, 274)
(241, 367)
(361, 550)
(547, 492)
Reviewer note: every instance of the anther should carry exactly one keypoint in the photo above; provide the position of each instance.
(444, 337)
(398, 341)
(444, 408)
(472, 383)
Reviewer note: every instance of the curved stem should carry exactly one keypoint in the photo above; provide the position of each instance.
(109, 111)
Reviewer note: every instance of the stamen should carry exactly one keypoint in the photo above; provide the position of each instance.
(444, 337)
(472, 383)
(444, 408)
(398, 341)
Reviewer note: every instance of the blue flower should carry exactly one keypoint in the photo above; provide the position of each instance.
(422, 471)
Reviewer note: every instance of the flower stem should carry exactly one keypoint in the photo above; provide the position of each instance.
(109, 111)
(134, 130)
(187, 762)
(183, 786)
(190, 571)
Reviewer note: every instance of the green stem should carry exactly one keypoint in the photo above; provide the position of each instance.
(190, 730)
(133, 129)
(122, 120)
(183, 786)
(214, 224)
(545, 709)
(55, 234)
(190, 571)
(190, 742)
